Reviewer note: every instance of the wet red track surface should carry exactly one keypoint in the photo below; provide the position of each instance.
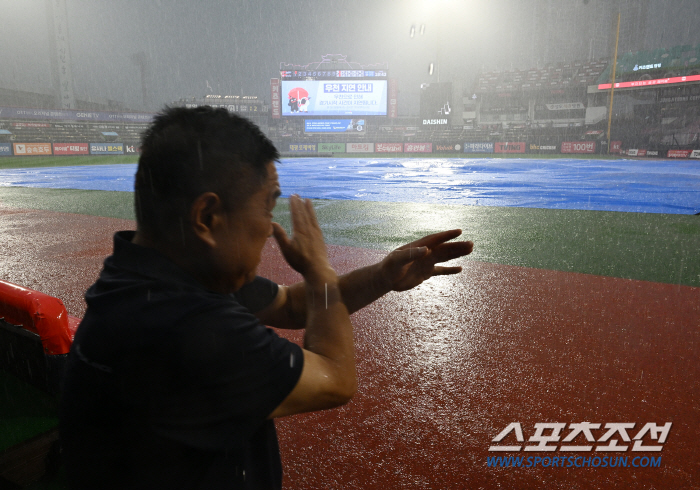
(446, 367)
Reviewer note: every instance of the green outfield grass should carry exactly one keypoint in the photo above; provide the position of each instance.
(645, 246)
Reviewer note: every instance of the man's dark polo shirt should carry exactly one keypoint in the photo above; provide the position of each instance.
(169, 385)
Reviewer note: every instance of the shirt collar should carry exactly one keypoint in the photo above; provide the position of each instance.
(147, 261)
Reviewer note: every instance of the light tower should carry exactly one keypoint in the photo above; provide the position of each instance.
(59, 45)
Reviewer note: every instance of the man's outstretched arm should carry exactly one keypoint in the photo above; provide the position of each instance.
(403, 269)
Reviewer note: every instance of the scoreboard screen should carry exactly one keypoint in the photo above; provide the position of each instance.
(334, 98)
(334, 93)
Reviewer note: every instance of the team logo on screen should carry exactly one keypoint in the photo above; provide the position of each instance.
(298, 100)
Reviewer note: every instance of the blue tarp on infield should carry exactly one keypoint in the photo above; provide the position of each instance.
(651, 186)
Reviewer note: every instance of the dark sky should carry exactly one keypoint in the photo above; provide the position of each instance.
(237, 45)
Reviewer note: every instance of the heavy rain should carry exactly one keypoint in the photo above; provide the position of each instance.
(561, 137)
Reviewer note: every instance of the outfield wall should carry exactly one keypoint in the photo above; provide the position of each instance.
(480, 148)
(567, 148)
(66, 149)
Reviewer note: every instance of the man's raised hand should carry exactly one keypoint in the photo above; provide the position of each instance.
(411, 264)
(305, 251)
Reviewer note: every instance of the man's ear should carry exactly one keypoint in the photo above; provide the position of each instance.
(206, 215)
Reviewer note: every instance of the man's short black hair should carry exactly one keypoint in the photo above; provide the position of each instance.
(186, 152)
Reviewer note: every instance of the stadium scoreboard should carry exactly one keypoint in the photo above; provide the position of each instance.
(332, 74)
(332, 93)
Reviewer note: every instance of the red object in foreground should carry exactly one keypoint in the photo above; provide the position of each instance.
(39, 313)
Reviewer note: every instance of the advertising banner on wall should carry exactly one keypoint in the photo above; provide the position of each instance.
(436, 122)
(131, 149)
(106, 148)
(31, 125)
(331, 147)
(334, 125)
(21, 113)
(71, 149)
(418, 148)
(447, 148)
(31, 149)
(578, 147)
(538, 148)
(393, 109)
(565, 106)
(436, 103)
(478, 147)
(615, 146)
(275, 98)
(508, 147)
(679, 153)
(389, 147)
(695, 154)
(360, 147)
(652, 153)
(302, 148)
(650, 83)
(5, 149)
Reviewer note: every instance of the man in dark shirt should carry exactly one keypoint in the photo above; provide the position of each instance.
(173, 381)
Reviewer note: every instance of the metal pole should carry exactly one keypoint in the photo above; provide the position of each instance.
(612, 82)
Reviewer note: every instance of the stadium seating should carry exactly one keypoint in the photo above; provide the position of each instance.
(70, 132)
(677, 60)
(552, 75)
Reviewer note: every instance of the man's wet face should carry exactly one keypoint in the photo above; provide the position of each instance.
(247, 231)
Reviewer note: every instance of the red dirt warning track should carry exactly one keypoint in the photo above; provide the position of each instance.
(444, 368)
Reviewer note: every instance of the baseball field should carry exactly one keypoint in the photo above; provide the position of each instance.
(573, 327)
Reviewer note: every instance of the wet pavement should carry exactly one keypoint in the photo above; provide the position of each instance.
(446, 367)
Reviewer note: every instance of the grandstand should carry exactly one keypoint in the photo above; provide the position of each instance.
(552, 76)
(249, 106)
(31, 124)
(659, 98)
(69, 132)
(40, 129)
(542, 109)
(557, 108)
(64, 133)
(655, 64)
